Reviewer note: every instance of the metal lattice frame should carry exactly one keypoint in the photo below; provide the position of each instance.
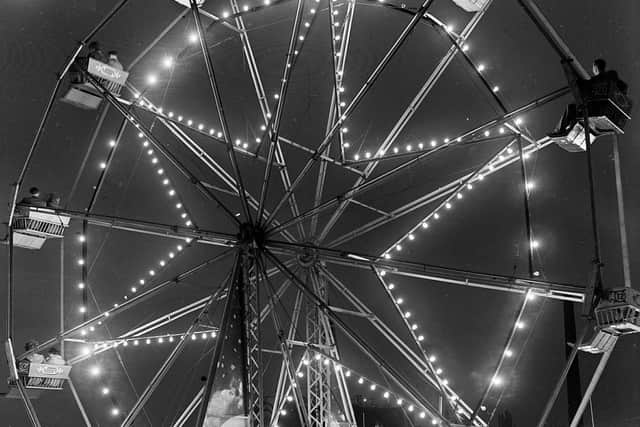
(257, 244)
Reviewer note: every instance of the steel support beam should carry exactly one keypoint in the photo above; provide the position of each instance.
(354, 102)
(408, 113)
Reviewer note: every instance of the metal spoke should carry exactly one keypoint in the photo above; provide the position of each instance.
(221, 115)
(400, 380)
(393, 172)
(354, 102)
(408, 113)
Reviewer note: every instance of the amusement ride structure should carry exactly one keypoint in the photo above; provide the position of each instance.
(282, 268)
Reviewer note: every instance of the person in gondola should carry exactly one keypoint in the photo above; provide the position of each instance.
(114, 61)
(35, 357)
(582, 90)
(54, 201)
(96, 52)
(54, 358)
(34, 198)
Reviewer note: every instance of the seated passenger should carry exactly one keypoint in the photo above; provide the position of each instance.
(23, 365)
(113, 60)
(96, 52)
(54, 201)
(34, 198)
(54, 357)
(582, 90)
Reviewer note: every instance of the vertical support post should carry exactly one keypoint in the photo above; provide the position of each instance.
(318, 374)
(217, 352)
(577, 419)
(31, 412)
(221, 116)
(10, 290)
(624, 246)
(563, 376)
(62, 295)
(76, 398)
(249, 290)
(527, 211)
(85, 297)
(574, 385)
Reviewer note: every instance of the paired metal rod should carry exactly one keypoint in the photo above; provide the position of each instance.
(354, 102)
(221, 115)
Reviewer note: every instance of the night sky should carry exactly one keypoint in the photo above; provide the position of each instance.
(465, 328)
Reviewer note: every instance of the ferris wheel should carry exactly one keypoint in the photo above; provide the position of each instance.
(283, 219)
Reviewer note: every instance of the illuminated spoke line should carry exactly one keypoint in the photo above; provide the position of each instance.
(496, 380)
(338, 59)
(404, 119)
(456, 194)
(364, 347)
(210, 163)
(448, 190)
(240, 146)
(276, 120)
(354, 102)
(424, 364)
(367, 185)
(327, 359)
(417, 148)
(222, 118)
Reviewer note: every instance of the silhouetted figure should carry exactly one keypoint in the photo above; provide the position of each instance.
(96, 52)
(114, 61)
(54, 357)
(54, 201)
(34, 198)
(24, 364)
(584, 90)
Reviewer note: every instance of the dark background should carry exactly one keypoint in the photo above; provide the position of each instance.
(466, 328)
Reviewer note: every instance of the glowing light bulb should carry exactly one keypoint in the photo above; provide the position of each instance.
(94, 370)
(115, 411)
(152, 79)
(508, 353)
(481, 67)
(105, 391)
(167, 62)
(193, 37)
(80, 285)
